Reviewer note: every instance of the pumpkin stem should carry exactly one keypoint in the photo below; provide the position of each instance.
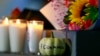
(48, 33)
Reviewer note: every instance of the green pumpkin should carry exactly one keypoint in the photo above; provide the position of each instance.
(52, 46)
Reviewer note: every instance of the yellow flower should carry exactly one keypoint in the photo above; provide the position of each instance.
(80, 12)
(76, 9)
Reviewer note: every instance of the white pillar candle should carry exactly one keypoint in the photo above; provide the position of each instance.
(17, 30)
(35, 29)
(4, 35)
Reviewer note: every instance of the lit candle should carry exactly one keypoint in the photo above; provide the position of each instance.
(4, 35)
(17, 30)
(35, 29)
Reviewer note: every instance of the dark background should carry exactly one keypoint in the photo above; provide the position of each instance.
(88, 43)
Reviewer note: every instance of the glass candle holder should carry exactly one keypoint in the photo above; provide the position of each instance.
(35, 30)
(17, 31)
(4, 35)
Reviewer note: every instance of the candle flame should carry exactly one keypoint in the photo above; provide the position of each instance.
(6, 20)
(34, 22)
(17, 21)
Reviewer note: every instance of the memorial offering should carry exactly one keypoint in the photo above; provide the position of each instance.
(35, 29)
(4, 35)
(17, 31)
(51, 46)
(81, 14)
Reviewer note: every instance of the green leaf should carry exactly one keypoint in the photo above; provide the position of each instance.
(66, 18)
(93, 13)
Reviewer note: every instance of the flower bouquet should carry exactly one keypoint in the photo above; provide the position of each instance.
(81, 14)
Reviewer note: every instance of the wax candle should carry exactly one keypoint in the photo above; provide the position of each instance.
(4, 35)
(17, 30)
(35, 29)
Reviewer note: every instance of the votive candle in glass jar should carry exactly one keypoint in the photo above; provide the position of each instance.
(4, 35)
(17, 31)
(35, 30)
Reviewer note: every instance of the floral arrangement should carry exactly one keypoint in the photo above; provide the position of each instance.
(81, 14)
